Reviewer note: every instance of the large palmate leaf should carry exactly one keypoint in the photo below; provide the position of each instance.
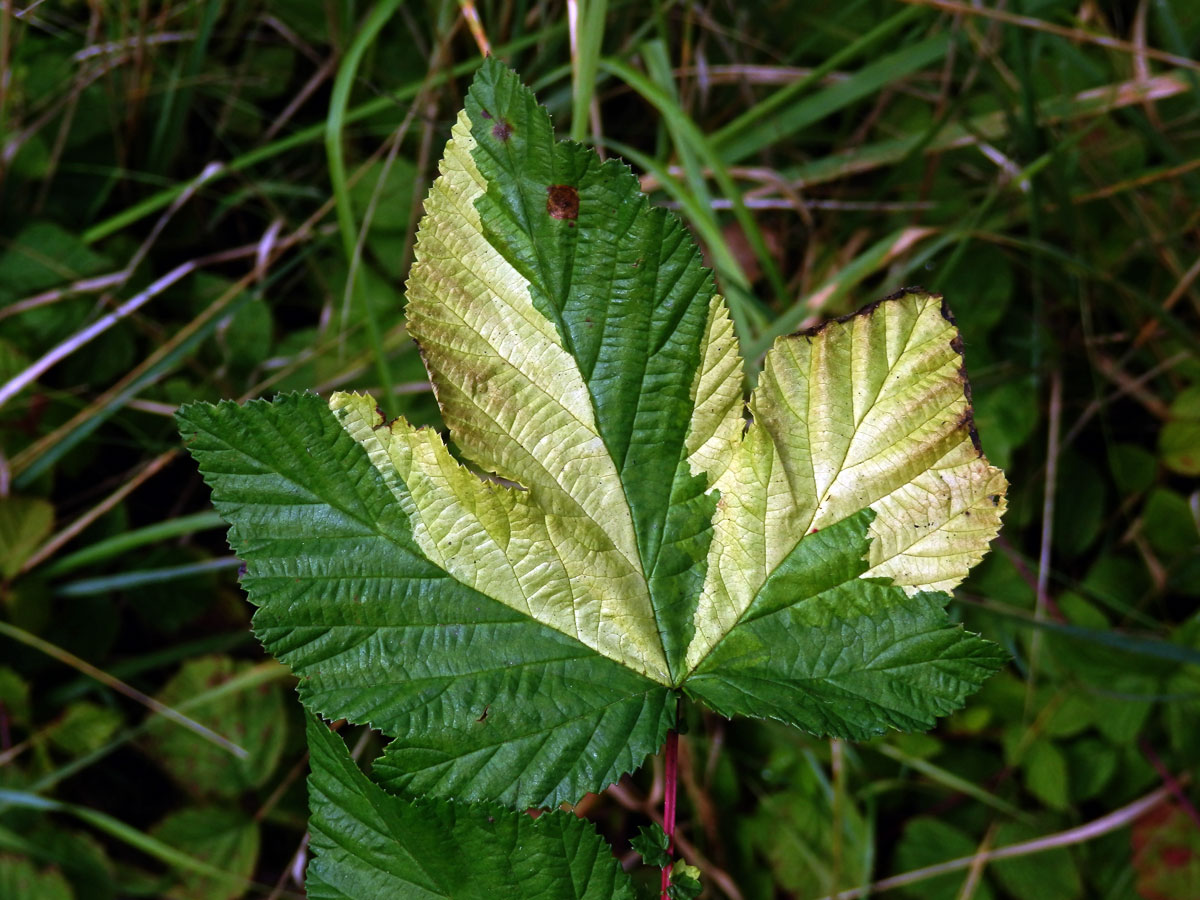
(616, 530)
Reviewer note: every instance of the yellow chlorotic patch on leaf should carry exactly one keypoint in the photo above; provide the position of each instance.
(869, 412)
(497, 540)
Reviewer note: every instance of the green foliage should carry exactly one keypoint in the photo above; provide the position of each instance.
(24, 524)
(401, 588)
(371, 843)
(927, 841)
(20, 880)
(226, 839)
(685, 882)
(253, 719)
(1043, 183)
(651, 844)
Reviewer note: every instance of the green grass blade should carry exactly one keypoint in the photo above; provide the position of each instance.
(741, 139)
(121, 543)
(742, 303)
(1149, 647)
(947, 779)
(90, 587)
(334, 126)
(122, 832)
(589, 37)
(69, 659)
(688, 133)
(304, 136)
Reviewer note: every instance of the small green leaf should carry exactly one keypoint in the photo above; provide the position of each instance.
(1092, 762)
(1007, 415)
(253, 719)
(652, 843)
(791, 829)
(927, 842)
(44, 255)
(1132, 468)
(685, 882)
(14, 696)
(84, 727)
(21, 880)
(80, 857)
(1081, 501)
(1179, 441)
(1168, 523)
(1046, 774)
(225, 838)
(1051, 873)
(24, 523)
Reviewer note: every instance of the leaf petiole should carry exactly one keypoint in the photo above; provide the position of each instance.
(670, 785)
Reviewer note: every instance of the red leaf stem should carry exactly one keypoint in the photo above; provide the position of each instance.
(671, 783)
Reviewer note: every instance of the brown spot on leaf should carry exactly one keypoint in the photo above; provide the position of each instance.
(486, 114)
(483, 718)
(501, 131)
(911, 289)
(867, 310)
(562, 201)
(946, 314)
(967, 421)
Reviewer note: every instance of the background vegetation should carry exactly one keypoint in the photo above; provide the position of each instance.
(183, 188)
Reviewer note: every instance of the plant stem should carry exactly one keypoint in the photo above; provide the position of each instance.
(671, 782)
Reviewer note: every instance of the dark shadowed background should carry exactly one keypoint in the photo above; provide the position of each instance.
(182, 189)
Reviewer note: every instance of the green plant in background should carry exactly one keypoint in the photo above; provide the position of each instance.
(202, 200)
(527, 635)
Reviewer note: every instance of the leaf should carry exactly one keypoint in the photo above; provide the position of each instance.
(1051, 873)
(225, 838)
(253, 719)
(24, 523)
(685, 881)
(651, 844)
(369, 843)
(14, 696)
(791, 829)
(521, 617)
(41, 256)
(1168, 523)
(78, 855)
(1179, 441)
(1166, 854)
(927, 842)
(20, 880)
(1046, 774)
(84, 727)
